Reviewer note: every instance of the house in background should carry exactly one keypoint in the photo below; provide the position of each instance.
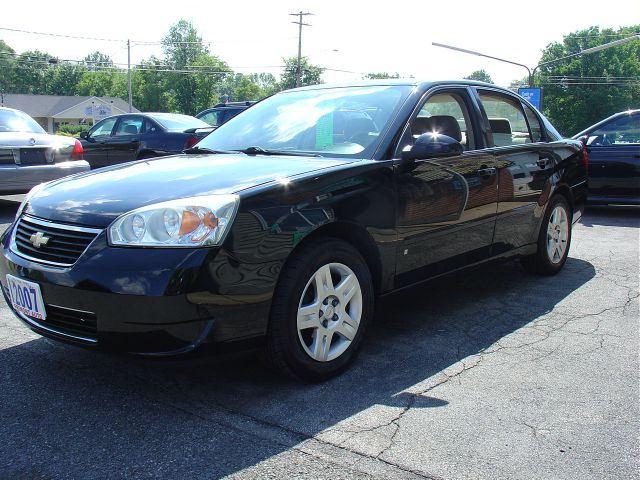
(51, 111)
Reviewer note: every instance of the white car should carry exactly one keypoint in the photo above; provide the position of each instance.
(29, 155)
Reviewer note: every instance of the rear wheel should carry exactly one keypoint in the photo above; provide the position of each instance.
(554, 239)
(320, 311)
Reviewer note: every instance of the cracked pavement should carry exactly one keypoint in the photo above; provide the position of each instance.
(491, 373)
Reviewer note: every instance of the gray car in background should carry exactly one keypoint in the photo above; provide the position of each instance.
(29, 155)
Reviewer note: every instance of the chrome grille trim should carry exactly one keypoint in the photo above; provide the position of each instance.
(46, 224)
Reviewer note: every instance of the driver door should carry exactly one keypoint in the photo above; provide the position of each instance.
(447, 207)
(95, 145)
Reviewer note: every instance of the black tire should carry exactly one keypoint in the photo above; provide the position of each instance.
(288, 348)
(543, 262)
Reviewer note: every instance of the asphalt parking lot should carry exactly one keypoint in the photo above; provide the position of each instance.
(488, 374)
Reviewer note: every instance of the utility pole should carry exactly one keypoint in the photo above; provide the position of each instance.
(300, 24)
(129, 74)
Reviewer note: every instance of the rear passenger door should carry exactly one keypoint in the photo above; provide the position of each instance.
(527, 162)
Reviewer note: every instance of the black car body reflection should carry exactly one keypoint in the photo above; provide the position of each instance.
(323, 197)
(613, 146)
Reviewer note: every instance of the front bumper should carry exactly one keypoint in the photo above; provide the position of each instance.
(21, 178)
(151, 301)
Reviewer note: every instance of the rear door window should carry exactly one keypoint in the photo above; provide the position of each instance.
(507, 119)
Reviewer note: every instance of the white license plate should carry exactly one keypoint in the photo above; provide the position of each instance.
(26, 297)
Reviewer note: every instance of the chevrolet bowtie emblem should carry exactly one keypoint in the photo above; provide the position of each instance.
(38, 239)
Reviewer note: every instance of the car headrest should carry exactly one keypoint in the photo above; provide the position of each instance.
(500, 125)
(443, 124)
(130, 129)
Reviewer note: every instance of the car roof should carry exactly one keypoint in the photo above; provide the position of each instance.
(397, 81)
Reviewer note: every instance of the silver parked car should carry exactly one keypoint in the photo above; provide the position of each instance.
(29, 155)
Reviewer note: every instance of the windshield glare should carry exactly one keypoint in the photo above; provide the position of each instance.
(14, 121)
(179, 122)
(334, 121)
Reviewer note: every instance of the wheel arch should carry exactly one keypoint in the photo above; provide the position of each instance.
(358, 237)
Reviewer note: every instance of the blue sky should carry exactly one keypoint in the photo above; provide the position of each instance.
(356, 37)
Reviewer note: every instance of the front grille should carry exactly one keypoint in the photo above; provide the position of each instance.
(70, 322)
(57, 244)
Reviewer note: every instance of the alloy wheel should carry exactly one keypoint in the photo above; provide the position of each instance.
(329, 312)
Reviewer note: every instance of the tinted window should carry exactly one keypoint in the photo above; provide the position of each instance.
(172, 121)
(506, 118)
(16, 121)
(212, 118)
(337, 121)
(622, 131)
(534, 124)
(446, 114)
(129, 126)
(103, 128)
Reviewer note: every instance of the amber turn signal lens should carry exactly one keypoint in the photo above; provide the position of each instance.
(190, 221)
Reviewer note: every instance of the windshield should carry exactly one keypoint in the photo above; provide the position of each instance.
(16, 121)
(179, 122)
(344, 122)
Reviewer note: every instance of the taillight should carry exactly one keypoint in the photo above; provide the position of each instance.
(78, 152)
(191, 141)
(585, 155)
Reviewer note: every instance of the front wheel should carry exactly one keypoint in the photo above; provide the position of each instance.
(554, 240)
(320, 310)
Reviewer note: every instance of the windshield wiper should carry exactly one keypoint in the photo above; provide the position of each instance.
(263, 151)
(197, 149)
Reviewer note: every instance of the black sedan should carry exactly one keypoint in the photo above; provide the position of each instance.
(127, 137)
(613, 147)
(285, 223)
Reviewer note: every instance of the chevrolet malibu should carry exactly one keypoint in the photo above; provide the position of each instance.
(285, 223)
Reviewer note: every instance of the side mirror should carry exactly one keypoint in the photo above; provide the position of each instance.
(84, 135)
(430, 145)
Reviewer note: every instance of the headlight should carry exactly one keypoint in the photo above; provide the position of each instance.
(31, 193)
(188, 222)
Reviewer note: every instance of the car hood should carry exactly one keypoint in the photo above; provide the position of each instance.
(27, 139)
(96, 198)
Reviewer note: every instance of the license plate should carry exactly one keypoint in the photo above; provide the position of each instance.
(33, 156)
(26, 297)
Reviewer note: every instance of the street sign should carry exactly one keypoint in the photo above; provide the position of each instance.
(533, 96)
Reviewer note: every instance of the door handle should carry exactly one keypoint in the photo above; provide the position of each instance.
(486, 171)
(135, 140)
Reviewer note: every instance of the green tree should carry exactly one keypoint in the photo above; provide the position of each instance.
(309, 74)
(97, 60)
(149, 87)
(104, 83)
(7, 62)
(64, 78)
(582, 90)
(480, 75)
(381, 75)
(31, 72)
(197, 75)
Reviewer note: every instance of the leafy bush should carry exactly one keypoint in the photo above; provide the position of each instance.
(71, 130)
